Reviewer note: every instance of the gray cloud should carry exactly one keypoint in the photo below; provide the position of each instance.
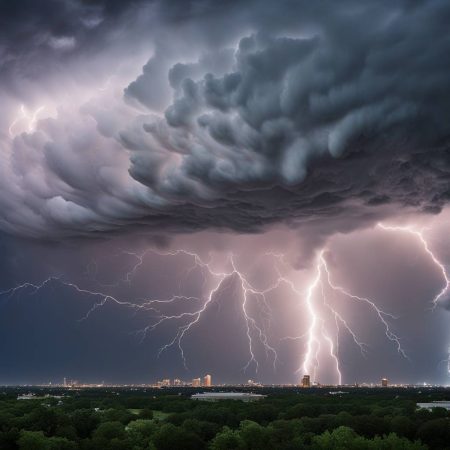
(330, 114)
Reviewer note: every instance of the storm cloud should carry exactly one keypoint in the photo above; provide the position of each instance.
(337, 113)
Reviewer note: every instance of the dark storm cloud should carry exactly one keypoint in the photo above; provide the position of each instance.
(331, 112)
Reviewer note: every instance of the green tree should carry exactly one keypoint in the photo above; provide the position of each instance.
(67, 431)
(58, 443)
(85, 422)
(393, 442)
(106, 432)
(117, 415)
(170, 437)
(8, 439)
(227, 439)
(41, 419)
(205, 430)
(342, 438)
(435, 433)
(32, 440)
(403, 426)
(254, 436)
(140, 432)
(146, 413)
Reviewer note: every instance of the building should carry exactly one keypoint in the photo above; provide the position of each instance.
(177, 382)
(306, 381)
(196, 382)
(28, 396)
(384, 382)
(439, 404)
(207, 381)
(163, 383)
(216, 396)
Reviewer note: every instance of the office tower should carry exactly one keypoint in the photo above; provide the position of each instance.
(65, 382)
(306, 381)
(384, 382)
(207, 381)
(196, 382)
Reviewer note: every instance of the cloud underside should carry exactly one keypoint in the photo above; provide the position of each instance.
(344, 120)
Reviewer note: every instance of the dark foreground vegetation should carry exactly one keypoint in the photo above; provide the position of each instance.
(120, 418)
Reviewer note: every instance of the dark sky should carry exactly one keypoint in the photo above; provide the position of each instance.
(184, 173)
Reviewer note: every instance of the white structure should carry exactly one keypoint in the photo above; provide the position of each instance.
(440, 404)
(28, 396)
(215, 396)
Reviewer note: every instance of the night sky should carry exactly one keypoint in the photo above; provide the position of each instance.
(251, 189)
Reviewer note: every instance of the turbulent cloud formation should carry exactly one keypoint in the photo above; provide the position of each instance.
(236, 121)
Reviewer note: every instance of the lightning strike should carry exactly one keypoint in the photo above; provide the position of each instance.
(419, 235)
(253, 329)
(255, 332)
(317, 331)
(321, 314)
(26, 115)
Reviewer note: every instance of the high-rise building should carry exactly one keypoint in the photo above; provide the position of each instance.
(196, 382)
(65, 382)
(177, 382)
(384, 382)
(306, 381)
(207, 381)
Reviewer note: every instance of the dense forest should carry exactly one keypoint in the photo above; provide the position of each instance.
(167, 419)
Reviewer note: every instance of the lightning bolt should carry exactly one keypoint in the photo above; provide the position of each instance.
(325, 322)
(317, 333)
(255, 331)
(419, 235)
(34, 287)
(25, 115)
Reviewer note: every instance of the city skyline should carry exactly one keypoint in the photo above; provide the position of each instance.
(219, 193)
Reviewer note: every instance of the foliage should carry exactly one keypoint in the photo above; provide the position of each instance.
(288, 419)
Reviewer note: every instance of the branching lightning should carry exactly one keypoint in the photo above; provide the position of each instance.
(320, 304)
(318, 335)
(253, 329)
(419, 235)
(30, 117)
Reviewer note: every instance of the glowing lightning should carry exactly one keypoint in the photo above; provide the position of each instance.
(424, 243)
(35, 287)
(319, 310)
(25, 115)
(317, 331)
(254, 330)
(193, 318)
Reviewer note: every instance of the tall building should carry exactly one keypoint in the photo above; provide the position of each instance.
(196, 382)
(207, 381)
(384, 382)
(306, 381)
(177, 382)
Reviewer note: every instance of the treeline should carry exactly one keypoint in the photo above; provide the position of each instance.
(169, 420)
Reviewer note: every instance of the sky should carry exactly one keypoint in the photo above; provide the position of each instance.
(251, 189)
